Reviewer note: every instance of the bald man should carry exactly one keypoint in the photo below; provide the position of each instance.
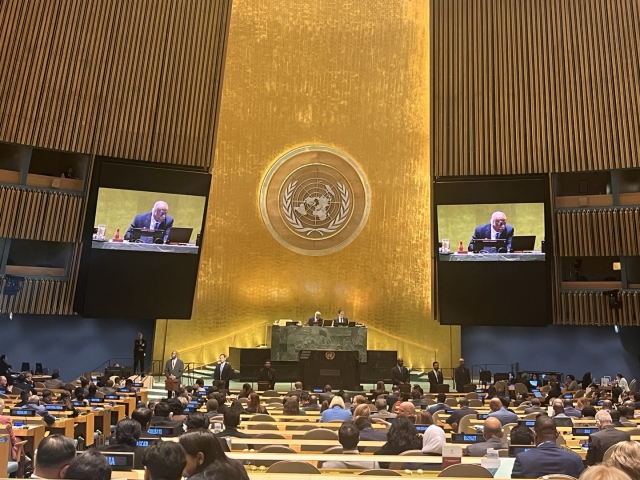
(408, 410)
(496, 229)
(492, 433)
(502, 414)
(157, 219)
(462, 376)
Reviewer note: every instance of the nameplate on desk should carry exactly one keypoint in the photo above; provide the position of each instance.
(22, 412)
(124, 390)
(111, 397)
(527, 423)
(57, 408)
(146, 442)
(162, 431)
(119, 461)
(96, 400)
(467, 438)
(583, 431)
(138, 384)
(190, 410)
(78, 404)
(482, 416)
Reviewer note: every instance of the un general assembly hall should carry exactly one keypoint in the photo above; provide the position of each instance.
(250, 239)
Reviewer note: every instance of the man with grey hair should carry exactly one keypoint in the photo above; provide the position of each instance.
(607, 436)
(381, 407)
(497, 229)
(315, 320)
(157, 219)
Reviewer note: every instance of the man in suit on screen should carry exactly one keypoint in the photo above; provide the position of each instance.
(157, 219)
(174, 368)
(223, 371)
(497, 229)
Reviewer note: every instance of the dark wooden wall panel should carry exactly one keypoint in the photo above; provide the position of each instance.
(131, 79)
(531, 86)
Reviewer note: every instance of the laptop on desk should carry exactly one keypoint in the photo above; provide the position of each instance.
(136, 234)
(352, 324)
(523, 243)
(179, 235)
(327, 323)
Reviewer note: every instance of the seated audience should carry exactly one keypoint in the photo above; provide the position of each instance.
(581, 403)
(91, 465)
(492, 391)
(25, 384)
(336, 411)
(402, 436)
(164, 461)
(393, 398)
(501, 413)
(231, 423)
(555, 391)
(107, 389)
(380, 390)
(312, 404)
(626, 457)
(547, 458)
(253, 404)
(47, 397)
(367, 432)
(33, 403)
(615, 418)
(416, 399)
(212, 407)
(292, 406)
(607, 436)
(436, 407)
(492, 434)
(521, 435)
(176, 407)
(433, 439)
(93, 392)
(198, 387)
(126, 437)
(382, 409)
(569, 409)
(143, 416)
(8, 429)
(196, 421)
(571, 385)
(456, 416)
(361, 411)
(588, 413)
(325, 395)
(626, 413)
(407, 410)
(54, 455)
(604, 472)
(204, 455)
(161, 416)
(358, 400)
(349, 436)
(246, 391)
(54, 381)
(534, 408)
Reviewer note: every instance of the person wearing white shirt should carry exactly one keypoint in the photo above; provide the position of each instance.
(622, 383)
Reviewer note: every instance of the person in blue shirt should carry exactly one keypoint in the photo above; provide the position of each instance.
(336, 411)
(498, 411)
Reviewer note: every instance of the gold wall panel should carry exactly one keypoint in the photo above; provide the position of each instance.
(535, 86)
(355, 77)
(136, 79)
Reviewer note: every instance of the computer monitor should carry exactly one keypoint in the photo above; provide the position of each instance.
(534, 383)
(499, 244)
(516, 449)
(352, 324)
(179, 235)
(141, 234)
(537, 394)
(523, 243)
(327, 323)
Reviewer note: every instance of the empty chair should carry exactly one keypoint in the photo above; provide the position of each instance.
(69, 386)
(634, 431)
(262, 417)
(302, 427)
(408, 453)
(243, 401)
(273, 449)
(38, 385)
(579, 393)
(632, 386)
(16, 391)
(465, 423)
(466, 471)
(273, 401)
(506, 430)
(318, 434)
(273, 436)
(264, 426)
(25, 367)
(475, 403)
(381, 473)
(521, 388)
(471, 396)
(270, 393)
(452, 402)
(293, 467)
(607, 454)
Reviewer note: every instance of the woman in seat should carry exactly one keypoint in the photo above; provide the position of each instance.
(206, 460)
(336, 411)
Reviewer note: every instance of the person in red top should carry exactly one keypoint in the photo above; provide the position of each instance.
(6, 421)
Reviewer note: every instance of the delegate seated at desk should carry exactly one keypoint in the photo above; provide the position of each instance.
(340, 320)
(497, 229)
(156, 219)
(315, 320)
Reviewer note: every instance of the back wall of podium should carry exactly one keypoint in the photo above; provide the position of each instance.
(355, 78)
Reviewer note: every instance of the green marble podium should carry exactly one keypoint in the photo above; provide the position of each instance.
(286, 342)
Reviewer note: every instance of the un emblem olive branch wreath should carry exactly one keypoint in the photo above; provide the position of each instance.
(336, 223)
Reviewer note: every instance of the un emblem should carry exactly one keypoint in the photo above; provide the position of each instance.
(330, 355)
(315, 200)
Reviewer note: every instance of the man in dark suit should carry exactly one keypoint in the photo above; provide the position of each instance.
(393, 398)
(435, 378)
(399, 373)
(340, 320)
(231, 422)
(326, 394)
(267, 374)
(608, 435)
(315, 320)
(297, 391)
(534, 408)
(223, 371)
(461, 376)
(174, 369)
(456, 416)
(156, 219)
(367, 432)
(496, 230)
(548, 458)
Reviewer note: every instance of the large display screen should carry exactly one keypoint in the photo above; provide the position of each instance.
(491, 253)
(141, 241)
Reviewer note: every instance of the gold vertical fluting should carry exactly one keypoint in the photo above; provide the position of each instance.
(353, 76)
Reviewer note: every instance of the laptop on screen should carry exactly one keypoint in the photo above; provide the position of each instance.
(523, 243)
(479, 244)
(179, 235)
(157, 236)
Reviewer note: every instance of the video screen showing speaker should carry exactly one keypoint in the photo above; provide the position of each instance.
(141, 240)
(491, 252)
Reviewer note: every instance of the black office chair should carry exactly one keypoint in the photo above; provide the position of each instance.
(25, 367)
(39, 370)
